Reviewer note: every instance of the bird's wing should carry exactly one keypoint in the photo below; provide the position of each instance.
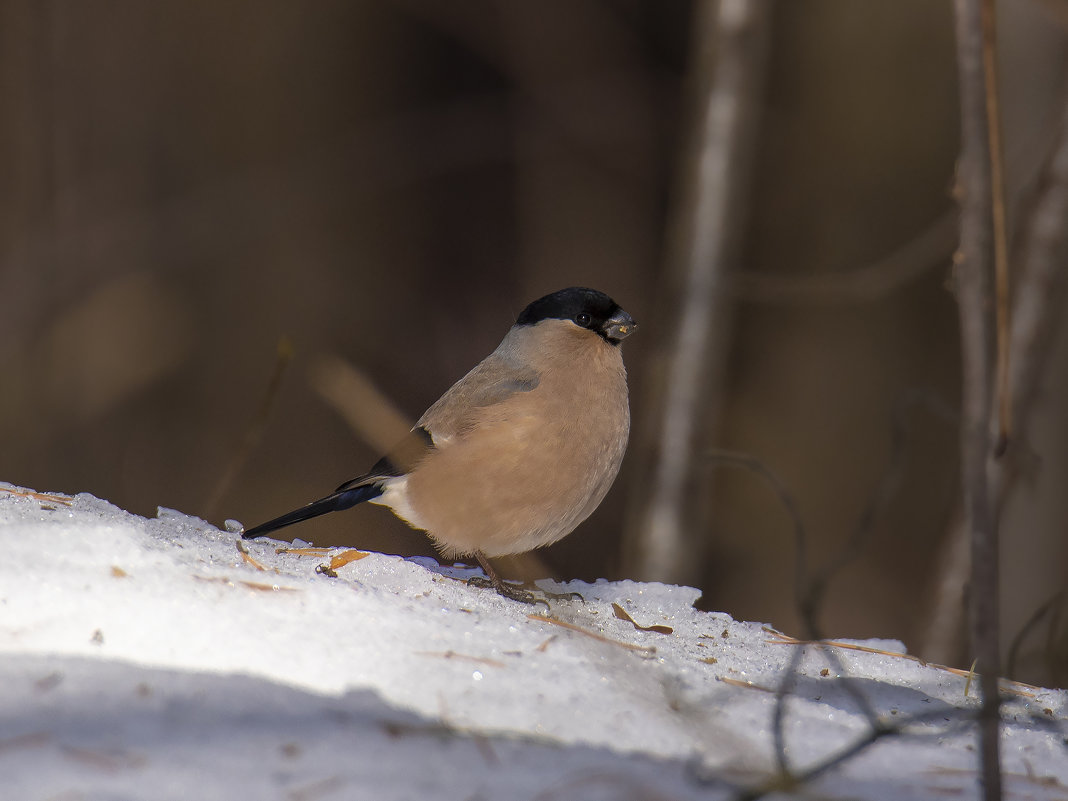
(401, 458)
(491, 382)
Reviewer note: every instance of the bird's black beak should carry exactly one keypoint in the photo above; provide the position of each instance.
(619, 326)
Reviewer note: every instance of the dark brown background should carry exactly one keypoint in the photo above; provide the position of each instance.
(391, 182)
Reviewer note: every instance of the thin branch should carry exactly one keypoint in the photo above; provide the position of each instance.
(1044, 610)
(801, 589)
(1042, 283)
(809, 591)
(664, 541)
(974, 266)
(254, 432)
(928, 249)
(875, 734)
(1038, 309)
(751, 463)
(886, 489)
(997, 197)
(372, 416)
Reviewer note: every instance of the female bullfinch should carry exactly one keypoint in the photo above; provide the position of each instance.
(520, 450)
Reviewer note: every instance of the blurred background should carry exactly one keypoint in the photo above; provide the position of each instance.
(186, 187)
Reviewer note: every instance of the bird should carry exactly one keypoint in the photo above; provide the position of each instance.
(518, 452)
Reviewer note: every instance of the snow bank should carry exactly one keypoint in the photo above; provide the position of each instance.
(151, 658)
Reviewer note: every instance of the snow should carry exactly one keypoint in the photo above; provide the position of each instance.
(151, 658)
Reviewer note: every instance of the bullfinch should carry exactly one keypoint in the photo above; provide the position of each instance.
(520, 450)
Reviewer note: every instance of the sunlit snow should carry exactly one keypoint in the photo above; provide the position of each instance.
(151, 658)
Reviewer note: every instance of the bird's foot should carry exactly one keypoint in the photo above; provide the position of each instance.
(538, 596)
(508, 590)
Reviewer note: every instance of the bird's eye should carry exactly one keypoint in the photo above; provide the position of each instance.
(583, 319)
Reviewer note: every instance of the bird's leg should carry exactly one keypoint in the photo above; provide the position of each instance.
(507, 590)
(538, 596)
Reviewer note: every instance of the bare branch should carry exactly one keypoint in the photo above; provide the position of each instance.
(928, 249)
(1000, 230)
(974, 264)
(1040, 291)
(729, 46)
(371, 416)
(254, 432)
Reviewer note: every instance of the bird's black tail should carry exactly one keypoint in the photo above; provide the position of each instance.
(331, 503)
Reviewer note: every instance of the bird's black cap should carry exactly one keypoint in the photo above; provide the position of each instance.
(587, 308)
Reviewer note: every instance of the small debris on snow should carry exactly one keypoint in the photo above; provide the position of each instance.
(148, 653)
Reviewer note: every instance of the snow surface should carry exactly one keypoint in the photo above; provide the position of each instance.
(150, 658)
